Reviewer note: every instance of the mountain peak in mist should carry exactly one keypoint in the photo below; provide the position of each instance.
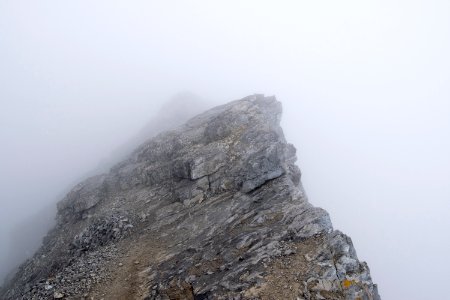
(173, 113)
(213, 209)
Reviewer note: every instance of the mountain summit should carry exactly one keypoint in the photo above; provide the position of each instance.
(212, 210)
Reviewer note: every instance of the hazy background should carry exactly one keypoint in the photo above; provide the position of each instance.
(365, 87)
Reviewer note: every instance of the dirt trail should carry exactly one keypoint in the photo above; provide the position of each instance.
(129, 272)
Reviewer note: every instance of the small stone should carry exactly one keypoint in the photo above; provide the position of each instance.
(136, 262)
(120, 264)
(58, 295)
(289, 252)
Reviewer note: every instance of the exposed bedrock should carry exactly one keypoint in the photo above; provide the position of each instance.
(212, 210)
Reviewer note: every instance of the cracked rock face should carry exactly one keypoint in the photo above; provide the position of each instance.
(212, 210)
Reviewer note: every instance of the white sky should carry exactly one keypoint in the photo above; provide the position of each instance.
(365, 87)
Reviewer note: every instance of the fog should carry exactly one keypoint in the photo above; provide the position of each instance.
(365, 87)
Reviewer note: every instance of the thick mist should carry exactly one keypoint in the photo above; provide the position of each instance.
(364, 85)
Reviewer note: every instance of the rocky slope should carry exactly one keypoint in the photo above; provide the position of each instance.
(212, 210)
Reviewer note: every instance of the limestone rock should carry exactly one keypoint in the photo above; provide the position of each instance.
(212, 210)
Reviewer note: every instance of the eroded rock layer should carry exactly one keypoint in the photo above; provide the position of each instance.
(212, 210)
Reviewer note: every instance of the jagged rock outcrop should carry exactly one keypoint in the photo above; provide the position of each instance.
(212, 210)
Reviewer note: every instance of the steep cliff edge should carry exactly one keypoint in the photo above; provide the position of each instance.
(212, 210)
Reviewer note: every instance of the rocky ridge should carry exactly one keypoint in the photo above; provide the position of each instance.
(212, 210)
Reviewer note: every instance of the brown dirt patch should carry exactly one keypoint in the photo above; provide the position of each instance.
(128, 273)
(286, 275)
